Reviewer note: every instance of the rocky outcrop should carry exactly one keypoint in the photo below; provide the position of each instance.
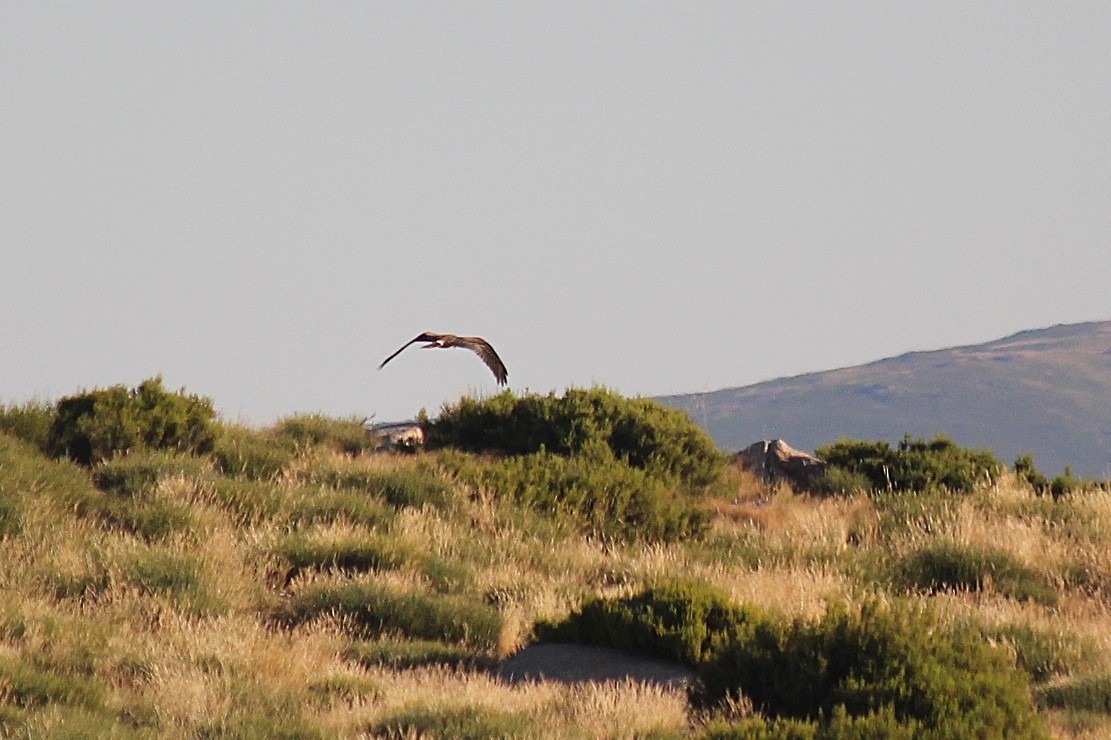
(401, 435)
(775, 460)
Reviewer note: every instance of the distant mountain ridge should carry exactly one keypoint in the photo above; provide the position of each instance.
(1043, 391)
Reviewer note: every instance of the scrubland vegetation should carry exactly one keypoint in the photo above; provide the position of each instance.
(163, 573)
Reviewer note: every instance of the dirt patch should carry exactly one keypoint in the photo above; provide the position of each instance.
(580, 663)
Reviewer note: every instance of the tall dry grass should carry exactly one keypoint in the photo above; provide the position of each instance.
(107, 628)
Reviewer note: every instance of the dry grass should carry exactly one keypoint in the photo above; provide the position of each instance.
(179, 637)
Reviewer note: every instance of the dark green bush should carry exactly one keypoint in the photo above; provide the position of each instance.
(681, 621)
(915, 464)
(370, 611)
(1062, 485)
(835, 480)
(880, 662)
(639, 432)
(1026, 472)
(95, 425)
(942, 566)
(313, 430)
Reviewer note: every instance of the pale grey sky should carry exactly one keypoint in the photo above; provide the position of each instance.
(260, 201)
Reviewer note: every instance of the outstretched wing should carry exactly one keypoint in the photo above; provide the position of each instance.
(482, 348)
(426, 337)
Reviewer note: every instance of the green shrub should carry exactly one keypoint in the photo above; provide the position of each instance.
(453, 723)
(1083, 693)
(681, 621)
(1062, 485)
(95, 425)
(915, 465)
(371, 611)
(594, 490)
(30, 422)
(1026, 472)
(639, 432)
(314, 430)
(881, 662)
(835, 480)
(943, 565)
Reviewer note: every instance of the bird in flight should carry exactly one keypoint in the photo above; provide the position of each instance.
(478, 345)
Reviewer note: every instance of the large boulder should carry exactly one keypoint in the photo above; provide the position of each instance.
(405, 435)
(774, 460)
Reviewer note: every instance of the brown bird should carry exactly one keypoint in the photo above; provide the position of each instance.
(478, 345)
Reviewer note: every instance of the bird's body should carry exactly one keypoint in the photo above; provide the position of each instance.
(478, 345)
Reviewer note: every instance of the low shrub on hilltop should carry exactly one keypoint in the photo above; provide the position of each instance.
(617, 467)
(93, 426)
(640, 432)
(914, 464)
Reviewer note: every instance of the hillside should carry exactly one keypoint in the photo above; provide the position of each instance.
(175, 576)
(1046, 391)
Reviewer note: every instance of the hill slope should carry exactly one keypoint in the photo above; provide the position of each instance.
(1046, 391)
